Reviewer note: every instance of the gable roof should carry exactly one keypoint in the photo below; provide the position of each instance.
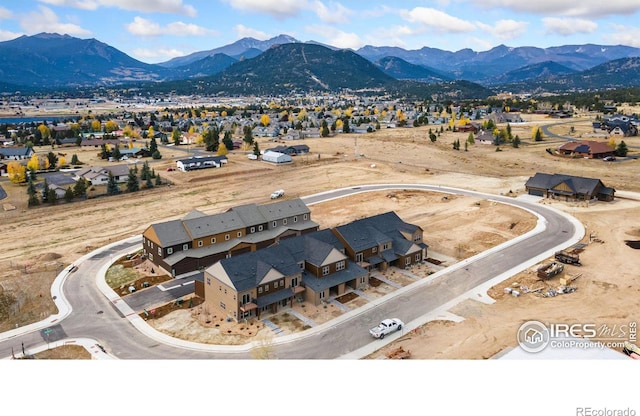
(577, 184)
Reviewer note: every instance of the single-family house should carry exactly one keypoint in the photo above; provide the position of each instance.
(571, 188)
(200, 162)
(586, 149)
(16, 153)
(99, 175)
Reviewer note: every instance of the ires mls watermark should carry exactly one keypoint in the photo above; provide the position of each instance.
(535, 336)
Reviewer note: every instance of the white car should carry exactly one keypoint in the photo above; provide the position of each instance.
(386, 327)
(277, 194)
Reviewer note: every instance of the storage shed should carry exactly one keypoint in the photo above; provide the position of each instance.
(276, 157)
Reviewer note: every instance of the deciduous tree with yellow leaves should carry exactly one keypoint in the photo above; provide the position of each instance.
(17, 172)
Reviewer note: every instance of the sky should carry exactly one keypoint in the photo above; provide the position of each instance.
(154, 31)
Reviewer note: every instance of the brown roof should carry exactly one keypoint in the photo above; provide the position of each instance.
(594, 147)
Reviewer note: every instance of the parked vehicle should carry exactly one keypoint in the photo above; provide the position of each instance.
(251, 156)
(277, 194)
(609, 159)
(386, 327)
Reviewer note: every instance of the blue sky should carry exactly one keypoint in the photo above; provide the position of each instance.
(158, 30)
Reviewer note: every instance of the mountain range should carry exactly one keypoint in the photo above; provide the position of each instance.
(283, 64)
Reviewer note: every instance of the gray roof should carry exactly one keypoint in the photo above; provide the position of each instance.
(15, 151)
(171, 233)
(200, 227)
(250, 214)
(577, 184)
(353, 271)
(283, 209)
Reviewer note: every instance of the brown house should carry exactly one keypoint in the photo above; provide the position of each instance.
(568, 187)
(314, 267)
(586, 149)
(199, 240)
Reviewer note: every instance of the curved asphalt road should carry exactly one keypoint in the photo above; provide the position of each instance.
(98, 313)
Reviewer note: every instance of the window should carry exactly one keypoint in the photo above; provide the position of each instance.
(284, 221)
(151, 242)
(266, 287)
(259, 227)
(199, 243)
(385, 246)
(407, 261)
(374, 249)
(359, 257)
(304, 217)
(362, 279)
(225, 290)
(223, 306)
(281, 282)
(418, 237)
(208, 281)
(185, 247)
(417, 257)
(301, 264)
(226, 237)
(253, 230)
(294, 282)
(239, 233)
(321, 295)
(325, 270)
(275, 223)
(275, 284)
(169, 250)
(160, 251)
(295, 219)
(260, 289)
(246, 298)
(213, 240)
(340, 265)
(150, 256)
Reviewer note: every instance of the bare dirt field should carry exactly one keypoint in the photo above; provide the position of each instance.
(44, 239)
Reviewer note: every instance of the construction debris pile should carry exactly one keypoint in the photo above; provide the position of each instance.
(398, 354)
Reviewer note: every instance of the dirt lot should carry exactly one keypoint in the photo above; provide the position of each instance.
(455, 227)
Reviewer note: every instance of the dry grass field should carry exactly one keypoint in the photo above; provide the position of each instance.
(44, 239)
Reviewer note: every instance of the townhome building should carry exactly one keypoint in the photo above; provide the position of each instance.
(313, 267)
(199, 240)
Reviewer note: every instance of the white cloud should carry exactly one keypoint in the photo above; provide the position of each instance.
(5, 13)
(624, 35)
(6, 35)
(335, 37)
(144, 27)
(47, 21)
(568, 26)
(156, 55)
(146, 6)
(504, 29)
(247, 32)
(334, 13)
(583, 8)
(434, 20)
(279, 9)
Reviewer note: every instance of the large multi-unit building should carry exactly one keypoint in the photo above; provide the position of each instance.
(199, 240)
(313, 267)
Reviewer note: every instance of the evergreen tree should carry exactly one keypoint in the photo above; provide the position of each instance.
(53, 160)
(74, 159)
(68, 194)
(622, 149)
(156, 155)
(133, 184)
(324, 130)
(516, 142)
(345, 125)
(104, 154)
(80, 188)
(52, 197)
(115, 153)
(256, 149)
(145, 172)
(227, 141)
(158, 180)
(112, 185)
(248, 136)
(153, 145)
(31, 191)
(149, 182)
(45, 190)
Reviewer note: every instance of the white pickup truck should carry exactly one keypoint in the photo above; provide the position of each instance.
(385, 327)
